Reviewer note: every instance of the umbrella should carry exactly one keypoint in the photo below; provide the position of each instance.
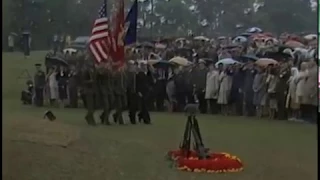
(202, 38)
(221, 37)
(278, 54)
(313, 43)
(180, 61)
(239, 39)
(78, 46)
(231, 46)
(180, 39)
(165, 40)
(312, 52)
(305, 54)
(254, 30)
(283, 47)
(259, 36)
(249, 57)
(246, 34)
(227, 61)
(156, 62)
(55, 60)
(310, 37)
(160, 46)
(145, 45)
(207, 59)
(153, 61)
(288, 52)
(69, 50)
(294, 44)
(154, 56)
(265, 61)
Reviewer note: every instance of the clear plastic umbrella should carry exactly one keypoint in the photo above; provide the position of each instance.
(265, 62)
(227, 61)
(254, 30)
(180, 61)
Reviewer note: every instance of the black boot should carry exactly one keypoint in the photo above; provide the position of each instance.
(132, 117)
(132, 120)
(106, 122)
(102, 118)
(140, 118)
(146, 121)
(90, 120)
(115, 117)
(146, 118)
(87, 119)
(120, 118)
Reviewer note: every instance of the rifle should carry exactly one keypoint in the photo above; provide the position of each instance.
(185, 144)
(198, 144)
(192, 127)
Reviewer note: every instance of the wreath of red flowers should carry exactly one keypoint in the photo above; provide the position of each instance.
(216, 163)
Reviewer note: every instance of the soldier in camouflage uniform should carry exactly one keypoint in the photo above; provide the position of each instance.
(89, 86)
(119, 87)
(105, 82)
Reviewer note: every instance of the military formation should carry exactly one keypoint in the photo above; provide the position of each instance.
(104, 87)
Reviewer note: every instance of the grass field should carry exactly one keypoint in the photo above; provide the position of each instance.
(270, 150)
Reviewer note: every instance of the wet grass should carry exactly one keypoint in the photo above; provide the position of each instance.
(270, 150)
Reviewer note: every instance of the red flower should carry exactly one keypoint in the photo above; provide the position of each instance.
(217, 162)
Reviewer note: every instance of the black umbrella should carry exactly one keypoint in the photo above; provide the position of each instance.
(281, 48)
(231, 46)
(161, 64)
(248, 57)
(55, 61)
(279, 55)
(246, 34)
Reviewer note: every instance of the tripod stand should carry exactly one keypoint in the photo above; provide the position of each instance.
(192, 129)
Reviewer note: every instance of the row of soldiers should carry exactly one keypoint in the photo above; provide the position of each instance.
(117, 89)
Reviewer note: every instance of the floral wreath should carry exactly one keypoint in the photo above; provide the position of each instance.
(199, 159)
(215, 163)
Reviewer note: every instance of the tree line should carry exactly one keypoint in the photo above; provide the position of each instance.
(160, 18)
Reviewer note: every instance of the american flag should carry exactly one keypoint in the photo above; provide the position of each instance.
(99, 39)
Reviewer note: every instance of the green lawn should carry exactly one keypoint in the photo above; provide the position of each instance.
(270, 150)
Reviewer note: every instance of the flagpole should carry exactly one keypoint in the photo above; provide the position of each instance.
(106, 7)
(152, 13)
